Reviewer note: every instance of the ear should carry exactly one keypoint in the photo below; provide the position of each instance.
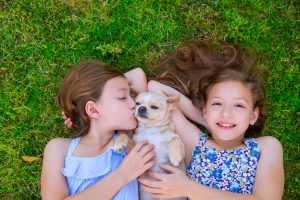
(91, 110)
(254, 116)
(172, 100)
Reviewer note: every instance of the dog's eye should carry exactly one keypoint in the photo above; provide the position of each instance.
(154, 107)
(137, 103)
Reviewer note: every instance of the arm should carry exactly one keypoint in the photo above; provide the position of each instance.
(137, 80)
(185, 105)
(188, 132)
(54, 184)
(269, 179)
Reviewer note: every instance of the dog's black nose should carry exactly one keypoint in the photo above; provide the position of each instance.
(142, 109)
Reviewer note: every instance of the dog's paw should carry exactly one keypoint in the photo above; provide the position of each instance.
(176, 151)
(123, 142)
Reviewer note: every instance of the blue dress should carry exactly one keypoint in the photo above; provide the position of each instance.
(230, 170)
(83, 172)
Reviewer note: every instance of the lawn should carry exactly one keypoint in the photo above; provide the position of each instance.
(40, 40)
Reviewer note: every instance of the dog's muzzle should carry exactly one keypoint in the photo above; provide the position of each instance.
(142, 112)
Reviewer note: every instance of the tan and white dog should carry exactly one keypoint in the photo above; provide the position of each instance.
(155, 126)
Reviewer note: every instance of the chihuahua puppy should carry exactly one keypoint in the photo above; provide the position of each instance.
(155, 126)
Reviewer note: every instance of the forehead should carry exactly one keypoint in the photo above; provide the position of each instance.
(151, 98)
(116, 84)
(231, 89)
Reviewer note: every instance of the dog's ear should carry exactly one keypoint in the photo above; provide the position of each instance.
(172, 100)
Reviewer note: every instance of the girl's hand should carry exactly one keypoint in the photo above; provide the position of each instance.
(139, 160)
(67, 121)
(169, 185)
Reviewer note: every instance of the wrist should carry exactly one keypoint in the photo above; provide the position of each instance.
(123, 179)
(187, 186)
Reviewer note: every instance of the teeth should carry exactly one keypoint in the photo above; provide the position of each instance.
(226, 125)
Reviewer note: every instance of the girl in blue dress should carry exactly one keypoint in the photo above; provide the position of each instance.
(97, 100)
(229, 162)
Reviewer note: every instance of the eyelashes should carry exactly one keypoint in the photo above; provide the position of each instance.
(236, 105)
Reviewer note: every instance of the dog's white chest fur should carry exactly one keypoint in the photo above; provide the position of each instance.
(160, 138)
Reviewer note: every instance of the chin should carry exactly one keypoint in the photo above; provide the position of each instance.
(131, 126)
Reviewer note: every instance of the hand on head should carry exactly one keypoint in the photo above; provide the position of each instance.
(67, 120)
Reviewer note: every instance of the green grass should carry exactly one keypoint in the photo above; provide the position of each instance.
(41, 39)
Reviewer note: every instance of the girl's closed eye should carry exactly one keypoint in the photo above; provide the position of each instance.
(240, 106)
(216, 103)
(122, 98)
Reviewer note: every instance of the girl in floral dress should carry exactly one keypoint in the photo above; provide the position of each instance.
(229, 162)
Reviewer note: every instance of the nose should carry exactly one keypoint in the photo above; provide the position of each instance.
(142, 109)
(226, 112)
(131, 103)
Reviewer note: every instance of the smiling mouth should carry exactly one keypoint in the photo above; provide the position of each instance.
(226, 125)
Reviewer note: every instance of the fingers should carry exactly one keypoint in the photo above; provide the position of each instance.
(146, 149)
(149, 156)
(168, 168)
(139, 145)
(157, 176)
(64, 115)
(144, 153)
(68, 123)
(148, 183)
(152, 190)
(149, 164)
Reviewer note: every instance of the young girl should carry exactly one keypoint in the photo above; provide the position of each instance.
(228, 163)
(97, 100)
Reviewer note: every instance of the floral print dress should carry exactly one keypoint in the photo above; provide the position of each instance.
(230, 170)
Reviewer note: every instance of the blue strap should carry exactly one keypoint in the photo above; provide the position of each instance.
(203, 139)
(73, 146)
(251, 142)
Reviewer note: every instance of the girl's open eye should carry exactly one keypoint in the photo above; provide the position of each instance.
(154, 107)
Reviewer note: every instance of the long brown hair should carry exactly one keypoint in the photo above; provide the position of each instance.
(83, 83)
(196, 67)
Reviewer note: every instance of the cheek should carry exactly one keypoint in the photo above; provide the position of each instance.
(154, 115)
(212, 112)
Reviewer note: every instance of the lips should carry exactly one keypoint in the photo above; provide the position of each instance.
(225, 125)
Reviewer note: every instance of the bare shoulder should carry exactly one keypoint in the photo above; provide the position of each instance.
(57, 146)
(267, 142)
(269, 146)
(53, 183)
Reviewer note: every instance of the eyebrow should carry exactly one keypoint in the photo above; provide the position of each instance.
(242, 99)
(121, 89)
(239, 98)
